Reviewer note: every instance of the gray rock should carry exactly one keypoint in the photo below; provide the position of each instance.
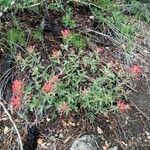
(113, 148)
(86, 142)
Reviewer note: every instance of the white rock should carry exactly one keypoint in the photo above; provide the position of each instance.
(1, 13)
(99, 130)
(113, 148)
(86, 142)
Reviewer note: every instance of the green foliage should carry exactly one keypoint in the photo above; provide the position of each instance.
(112, 16)
(14, 5)
(140, 10)
(103, 92)
(38, 35)
(15, 36)
(120, 22)
(5, 3)
(38, 73)
(67, 19)
(55, 5)
(104, 4)
(68, 22)
(75, 40)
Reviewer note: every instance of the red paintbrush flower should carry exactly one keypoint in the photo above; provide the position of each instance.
(17, 86)
(123, 106)
(136, 70)
(65, 33)
(48, 87)
(64, 107)
(15, 102)
(17, 89)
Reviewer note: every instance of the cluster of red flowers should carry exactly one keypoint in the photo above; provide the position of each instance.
(65, 33)
(17, 86)
(50, 85)
(123, 106)
(17, 89)
(136, 70)
(64, 107)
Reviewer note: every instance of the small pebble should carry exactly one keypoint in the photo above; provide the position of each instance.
(61, 136)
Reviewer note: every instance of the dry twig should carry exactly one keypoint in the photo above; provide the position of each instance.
(15, 127)
(143, 113)
(102, 34)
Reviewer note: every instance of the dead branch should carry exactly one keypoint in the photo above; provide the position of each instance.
(143, 113)
(15, 127)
